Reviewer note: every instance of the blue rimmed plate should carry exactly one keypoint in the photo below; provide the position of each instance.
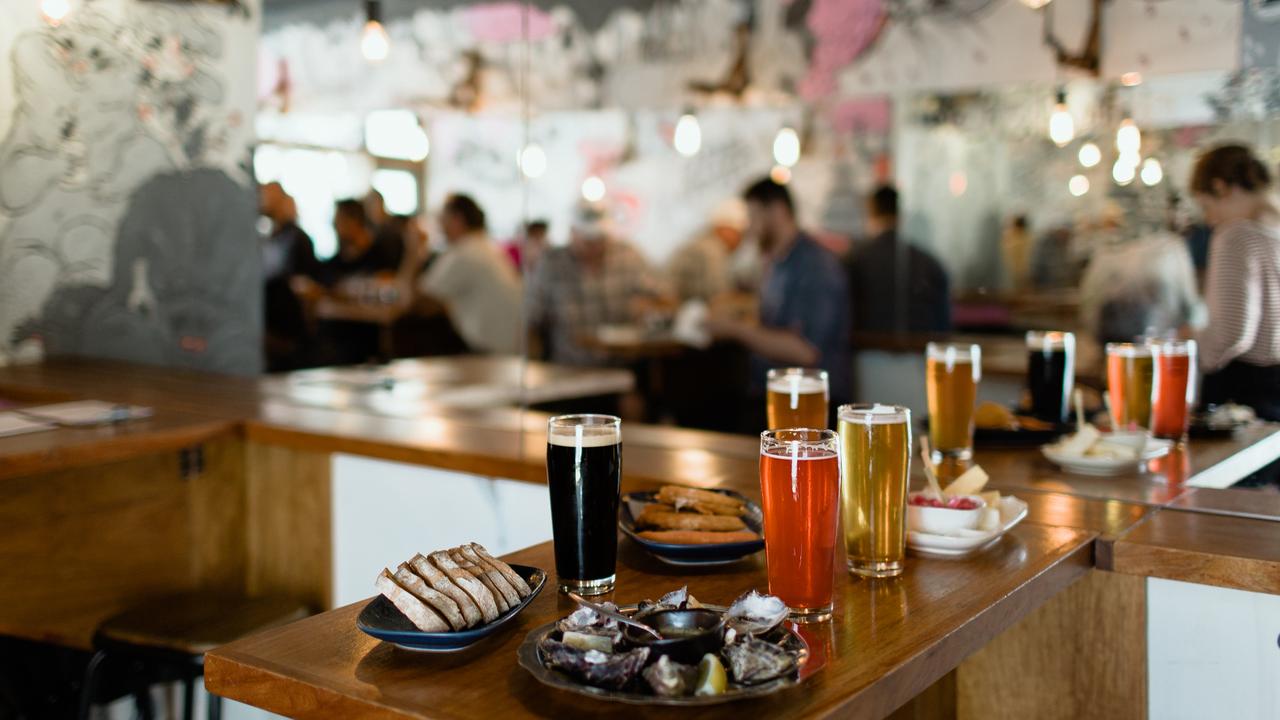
(382, 620)
(694, 555)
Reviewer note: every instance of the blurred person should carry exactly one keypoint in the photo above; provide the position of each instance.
(526, 251)
(1016, 243)
(360, 250)
(700, 270)
(596, 280)
(1240, 348)
(803, 318)
(474, 281)
(286, 253)
(896, 286)
(1140, 288)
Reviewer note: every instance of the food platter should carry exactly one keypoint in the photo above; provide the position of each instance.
(693, 554)
(1152, 449)
(784, 636)
(1012, 511)
(382, 620)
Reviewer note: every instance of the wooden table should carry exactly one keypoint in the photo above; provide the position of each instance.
(888, 641)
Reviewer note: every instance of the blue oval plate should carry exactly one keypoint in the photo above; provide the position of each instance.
(714, 554)
(381, 619)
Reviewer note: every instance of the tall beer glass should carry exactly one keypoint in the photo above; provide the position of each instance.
(797, 398)
(800, 490)
(952, 373)
(875, 466)
(1173, 390)
(584, 476)
(1130, 375)
(1051, 373)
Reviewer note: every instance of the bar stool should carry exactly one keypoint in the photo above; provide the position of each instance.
(170, 636)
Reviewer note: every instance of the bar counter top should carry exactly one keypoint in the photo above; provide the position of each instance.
(887, 642)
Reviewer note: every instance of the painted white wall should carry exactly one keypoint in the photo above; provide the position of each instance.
(1212, 652)
(386, 512)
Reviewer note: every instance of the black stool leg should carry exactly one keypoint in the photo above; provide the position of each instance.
(146, 706)
(215, 707)
(188, 700)
(90, 684)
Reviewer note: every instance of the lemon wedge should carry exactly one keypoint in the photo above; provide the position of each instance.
(711, 676)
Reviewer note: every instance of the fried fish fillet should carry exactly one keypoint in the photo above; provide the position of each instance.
(700, 501)
(664, 517)
(698, 537)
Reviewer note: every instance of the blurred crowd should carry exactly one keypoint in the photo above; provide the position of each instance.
(754, 290)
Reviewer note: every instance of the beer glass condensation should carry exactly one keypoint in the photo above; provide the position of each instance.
(1130, 375)
(797, 398)
(800, 493)
(1051, 374)
(1173, 390)
(952, 374)
(875, 469)
(584, 478)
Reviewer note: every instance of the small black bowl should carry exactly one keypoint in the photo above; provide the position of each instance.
(689, 634)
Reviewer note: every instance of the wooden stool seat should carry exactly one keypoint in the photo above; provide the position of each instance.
(174, 633)
(194, 623)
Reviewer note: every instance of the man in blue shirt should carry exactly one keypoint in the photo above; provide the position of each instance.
(804, 299)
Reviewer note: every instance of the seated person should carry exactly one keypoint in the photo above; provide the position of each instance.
(896, 286)
(475, 281)
(360, 250)
(700, 270)
(596, 280)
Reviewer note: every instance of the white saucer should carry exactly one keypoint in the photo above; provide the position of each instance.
(1155, 448)
(1012, 512)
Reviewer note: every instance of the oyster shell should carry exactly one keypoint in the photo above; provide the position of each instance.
(674, 600)
(753, 661)
(584, 619)
(670, 679)
(592, 666)
(755, 614)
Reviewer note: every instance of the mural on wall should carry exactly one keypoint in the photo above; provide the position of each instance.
(126, 211)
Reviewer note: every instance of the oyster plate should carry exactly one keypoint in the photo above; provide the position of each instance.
(784, 636)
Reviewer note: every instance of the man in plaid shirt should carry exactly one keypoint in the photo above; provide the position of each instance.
(596, 280)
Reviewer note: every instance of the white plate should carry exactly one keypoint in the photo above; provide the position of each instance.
(1012, 512)
(1155, 448)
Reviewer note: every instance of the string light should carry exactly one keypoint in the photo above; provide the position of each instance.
(1036, 4)
(780, 174)
(1128, 137)
(688, 136)
(786, 147)
(1152, 173)
(1123, 171)
(1090, 155)
(593, 189)
(1062, 129)
(1131, 79)
(1078, 185)
(375, 45)
(532, 161)
(54, 11)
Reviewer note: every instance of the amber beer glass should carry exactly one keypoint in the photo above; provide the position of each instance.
(1130, 374)
(875, 465)
(952, 373)
(1173, 390)
(800, 493)
(797, 398)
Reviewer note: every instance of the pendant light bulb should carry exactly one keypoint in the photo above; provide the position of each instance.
(1128, 137)
(688, 135)
(1062, 128)
(375, 45)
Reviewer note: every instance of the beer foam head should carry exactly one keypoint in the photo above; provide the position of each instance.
(875, 414)
(1129, 350)
(954, 354)
(798, 384)
(1050, 340)
(584, 431)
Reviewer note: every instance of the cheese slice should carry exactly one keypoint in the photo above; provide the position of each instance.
(991, 498)
(970, 483)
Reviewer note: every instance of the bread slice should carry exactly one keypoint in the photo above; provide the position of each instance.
(499, 581)
(441, 583)
(479, 593)
(445, 607)
(510, 574)
(422, 616)
(479, 573)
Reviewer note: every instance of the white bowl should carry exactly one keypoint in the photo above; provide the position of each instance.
(943, 521)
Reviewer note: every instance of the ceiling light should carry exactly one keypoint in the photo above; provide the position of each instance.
(786, 147)
(688, 136)
(1062, 129)
(593, 189)
(375, 45)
